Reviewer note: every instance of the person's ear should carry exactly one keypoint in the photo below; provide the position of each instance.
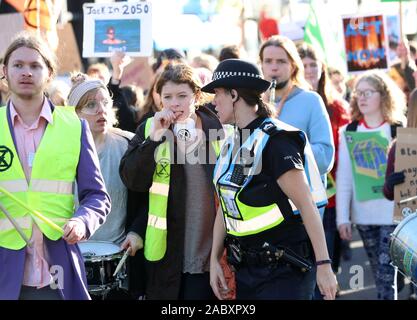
(49, 75)
(4, 77)
(234, 95)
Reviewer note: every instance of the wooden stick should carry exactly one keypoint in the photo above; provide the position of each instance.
(122, 261)
(34, 212)
(401, 20)
(15, 225)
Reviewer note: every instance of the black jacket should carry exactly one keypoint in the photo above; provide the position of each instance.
(136, 170)
(125, 115)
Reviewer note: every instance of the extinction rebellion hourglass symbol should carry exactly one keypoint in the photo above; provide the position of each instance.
(6, 158)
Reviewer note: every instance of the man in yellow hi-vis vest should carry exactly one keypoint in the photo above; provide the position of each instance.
(44, 150)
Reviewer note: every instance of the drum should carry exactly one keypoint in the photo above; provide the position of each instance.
(403, 247)
(101, 259)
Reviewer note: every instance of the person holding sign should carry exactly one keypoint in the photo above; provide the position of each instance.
(377, 107)
(170, 161)
(45, 150)
(269, 189)
(394, 178)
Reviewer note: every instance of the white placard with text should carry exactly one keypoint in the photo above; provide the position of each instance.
(118, 26)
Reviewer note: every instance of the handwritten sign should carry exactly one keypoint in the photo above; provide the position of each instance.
(119, 26)
(366, 44)
(405, 194)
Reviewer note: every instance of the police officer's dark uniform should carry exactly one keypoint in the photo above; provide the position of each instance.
(266, 240)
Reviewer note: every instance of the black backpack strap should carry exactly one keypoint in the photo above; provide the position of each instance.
(394, 127)
(353, 126)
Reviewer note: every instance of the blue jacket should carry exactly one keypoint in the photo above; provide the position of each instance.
(305, 110)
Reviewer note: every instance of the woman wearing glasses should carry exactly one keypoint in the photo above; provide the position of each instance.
(93, 103)
(377, 108)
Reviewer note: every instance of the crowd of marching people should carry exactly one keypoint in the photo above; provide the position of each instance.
(224, 179)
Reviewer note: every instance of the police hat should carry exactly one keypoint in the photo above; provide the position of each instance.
(237, 73)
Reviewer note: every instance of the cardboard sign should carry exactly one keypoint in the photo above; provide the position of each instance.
(120, 26)
(14, 23)
(405, 194)
(366, 44)
(67, 53)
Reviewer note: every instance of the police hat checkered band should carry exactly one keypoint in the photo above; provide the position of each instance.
(236, 73)
(228, 74)
(81, 89)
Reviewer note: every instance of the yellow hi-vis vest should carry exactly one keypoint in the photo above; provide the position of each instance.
(156, 231)
(50, 189)
(233, 173)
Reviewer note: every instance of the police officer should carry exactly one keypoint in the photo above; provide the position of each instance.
(269, 190)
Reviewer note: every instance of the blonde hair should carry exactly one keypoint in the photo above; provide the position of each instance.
(393, 100)
(297, 75)
(80, 78)
(58, 92)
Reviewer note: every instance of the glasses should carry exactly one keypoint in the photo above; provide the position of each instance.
(366, 93)
(93, 107)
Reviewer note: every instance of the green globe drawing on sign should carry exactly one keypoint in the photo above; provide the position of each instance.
(370, 158)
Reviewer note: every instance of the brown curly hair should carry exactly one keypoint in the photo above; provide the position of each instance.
(393, 100)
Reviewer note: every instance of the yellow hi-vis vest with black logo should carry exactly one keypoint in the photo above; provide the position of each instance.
(233, 173)
(156, 231)
(51, 185)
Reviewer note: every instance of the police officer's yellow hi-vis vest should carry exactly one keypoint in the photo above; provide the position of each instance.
(156, 231)
(233, 173)
(50, 189)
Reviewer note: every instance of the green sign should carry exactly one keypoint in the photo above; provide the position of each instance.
(368, 155)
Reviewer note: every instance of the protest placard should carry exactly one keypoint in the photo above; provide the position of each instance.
(366, 43)
(368, 155)
(394, 36)
(67, 52)
(119, 26)
(405, 194)
(14, 23)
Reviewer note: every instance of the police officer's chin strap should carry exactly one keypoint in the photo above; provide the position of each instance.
(235, 131)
